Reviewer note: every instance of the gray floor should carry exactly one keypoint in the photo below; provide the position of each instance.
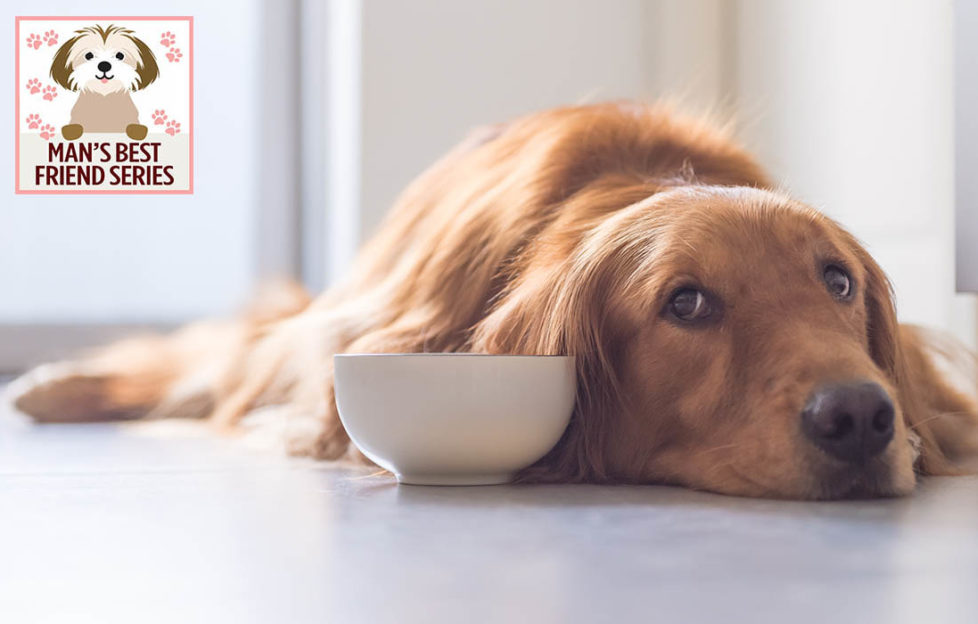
(112, 524)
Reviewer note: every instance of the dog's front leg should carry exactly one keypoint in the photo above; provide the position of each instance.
(72, 131)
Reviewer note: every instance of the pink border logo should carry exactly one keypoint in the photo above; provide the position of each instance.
(158, 120)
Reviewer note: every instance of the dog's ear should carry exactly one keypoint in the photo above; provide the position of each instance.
(882, 327)
(943, 418)
(941, 374)
(564, 305)
(61, 65)
(146, 68)
(559, 313)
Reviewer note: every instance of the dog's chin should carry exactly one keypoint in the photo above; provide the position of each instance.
(861, 484)
(820, 477)
(881, 477)
(104, 87)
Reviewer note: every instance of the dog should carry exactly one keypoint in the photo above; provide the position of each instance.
(104, 64)
(727, 337)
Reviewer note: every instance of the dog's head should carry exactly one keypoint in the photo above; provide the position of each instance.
(728, 339)
(104, 60)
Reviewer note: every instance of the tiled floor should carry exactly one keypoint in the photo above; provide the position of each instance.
(107, 524)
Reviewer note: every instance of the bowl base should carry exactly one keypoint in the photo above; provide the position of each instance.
(455, 479)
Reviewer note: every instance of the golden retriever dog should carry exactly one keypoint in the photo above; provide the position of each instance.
(728, 338)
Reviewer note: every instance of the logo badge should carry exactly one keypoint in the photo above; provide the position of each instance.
(104, 105)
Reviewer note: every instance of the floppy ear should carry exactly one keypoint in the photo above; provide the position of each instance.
(943, 418)
(560, 313)
(61, 68)
(562, 305)
(946, 418)
(147, 69)
(882, 327)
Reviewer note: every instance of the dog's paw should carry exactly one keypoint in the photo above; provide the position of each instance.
(60, 392)
(33, 41)
(51, 38)
(315, 444)
(47, 132)
(174, 55)
(167, 39)
(172, 127)
(159, 117)
(33, 122)
(50, 93)
(33, 86)
(294, 430)
(72, 131)
(136, 132)
(317, 438)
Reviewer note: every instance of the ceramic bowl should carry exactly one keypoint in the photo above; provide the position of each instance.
(454, 418)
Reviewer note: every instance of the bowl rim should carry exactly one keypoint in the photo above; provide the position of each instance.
(448, 353)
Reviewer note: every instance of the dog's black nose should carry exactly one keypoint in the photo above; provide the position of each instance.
(104, 66)
(852, 422)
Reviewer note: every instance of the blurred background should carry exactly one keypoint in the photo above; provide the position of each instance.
(311, 115)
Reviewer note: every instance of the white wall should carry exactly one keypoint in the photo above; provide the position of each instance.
(686, 52)
(850, 104)
(966, 143)
(145, 258)
(433, 69)
(430, 70)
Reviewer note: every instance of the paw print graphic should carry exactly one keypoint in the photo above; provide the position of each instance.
(34, 86)
(47, 132)
(51, 38)
(33, 122)
(159, 117)
(50, 93)
(172, 127)
(174, 55)
(167, 39)
(33, 41)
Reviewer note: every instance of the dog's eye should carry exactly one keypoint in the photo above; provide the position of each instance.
(838, 281)
(689, 304)
(118, 55)
(89, 56)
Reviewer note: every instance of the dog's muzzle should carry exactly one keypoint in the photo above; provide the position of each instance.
(105, 67)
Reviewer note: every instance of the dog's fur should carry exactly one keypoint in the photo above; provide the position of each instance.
(104, 103)
(566, 232)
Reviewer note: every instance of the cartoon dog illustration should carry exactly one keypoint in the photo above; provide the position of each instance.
(104, 65)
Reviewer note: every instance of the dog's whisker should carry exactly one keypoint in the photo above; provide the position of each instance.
(372, 475)
(916, 425)
(718, 448)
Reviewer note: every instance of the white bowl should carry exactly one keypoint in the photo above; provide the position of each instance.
(454, 418)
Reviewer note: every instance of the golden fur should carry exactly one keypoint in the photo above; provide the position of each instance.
(564, 232)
